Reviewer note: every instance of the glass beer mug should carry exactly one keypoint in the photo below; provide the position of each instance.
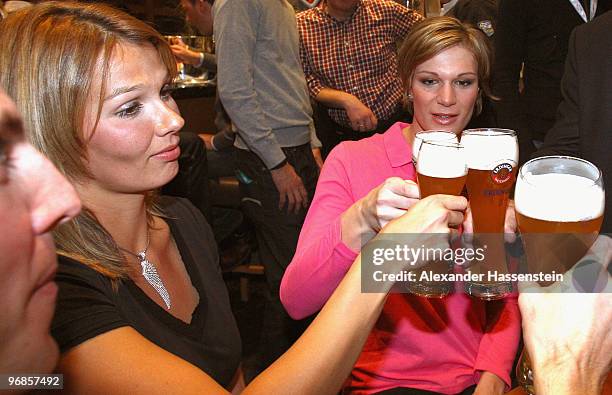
(441, 169)
(492, 156)
(559, 203)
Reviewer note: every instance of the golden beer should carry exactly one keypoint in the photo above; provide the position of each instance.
(441, 169)
(559, 215)
(492, 155)
(555, 245)
(438, 185)
(559, 209)
(488, 199)
(533, 225)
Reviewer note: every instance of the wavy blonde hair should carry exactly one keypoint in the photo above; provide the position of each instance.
(50, 57)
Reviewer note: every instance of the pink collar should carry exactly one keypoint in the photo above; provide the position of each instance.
(398, 150)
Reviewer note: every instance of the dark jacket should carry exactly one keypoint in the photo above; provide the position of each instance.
(533, 33)
(584, 118)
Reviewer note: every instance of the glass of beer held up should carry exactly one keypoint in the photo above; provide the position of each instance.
(492, 157)
(430, 135)
(559, 209)
(559, 203)
(441, 169)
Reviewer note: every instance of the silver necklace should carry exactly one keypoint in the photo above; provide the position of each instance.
(149, 272)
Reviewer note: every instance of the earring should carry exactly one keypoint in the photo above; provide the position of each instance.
(410, 97)
(478, 106)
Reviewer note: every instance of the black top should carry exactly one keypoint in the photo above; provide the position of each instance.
(87, 305)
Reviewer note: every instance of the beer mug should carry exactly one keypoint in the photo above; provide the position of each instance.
(430, 135)
(492, 157)
(559, 204)
(559, 210)
(441, 169)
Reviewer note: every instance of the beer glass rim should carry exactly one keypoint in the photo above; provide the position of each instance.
(489, 132)
(594, 182)
(442, 143)
(435, 131)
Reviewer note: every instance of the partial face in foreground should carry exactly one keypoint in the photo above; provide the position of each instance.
(134, 147)
(34, 197)
(444, 90)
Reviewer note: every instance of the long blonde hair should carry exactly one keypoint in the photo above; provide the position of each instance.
(50, 58)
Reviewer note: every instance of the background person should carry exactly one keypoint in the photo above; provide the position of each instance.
(584, 118)
(349, 55)
(533, 37)
(263, 90)
(445, 68)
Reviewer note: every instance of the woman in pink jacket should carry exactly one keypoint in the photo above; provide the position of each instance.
(454, 345)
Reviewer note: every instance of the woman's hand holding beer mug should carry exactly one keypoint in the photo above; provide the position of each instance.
(430, 224)
(436, 214)
(367, 216)
(567, 329)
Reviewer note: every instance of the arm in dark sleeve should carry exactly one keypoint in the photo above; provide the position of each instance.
(209, 62)
(564, 137)
(510, 52)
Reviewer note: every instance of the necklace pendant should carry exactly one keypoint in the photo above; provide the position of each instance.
(150, 274)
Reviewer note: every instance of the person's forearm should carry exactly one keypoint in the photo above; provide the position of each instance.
(567, 380)
(356, 229)
(325, 354)
(335, 98)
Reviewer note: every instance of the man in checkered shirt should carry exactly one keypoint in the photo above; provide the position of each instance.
(348, 50)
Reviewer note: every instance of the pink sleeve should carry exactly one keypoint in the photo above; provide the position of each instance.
(321, 259)
(498, 346)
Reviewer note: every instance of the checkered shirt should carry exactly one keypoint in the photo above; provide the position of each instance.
(358, 55)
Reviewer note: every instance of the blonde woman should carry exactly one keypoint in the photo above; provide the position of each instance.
(142, 308)
(419, 346)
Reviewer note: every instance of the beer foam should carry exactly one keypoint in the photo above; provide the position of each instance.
(441, 161)
(430, 136)
(484, 152)
(558, 197)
